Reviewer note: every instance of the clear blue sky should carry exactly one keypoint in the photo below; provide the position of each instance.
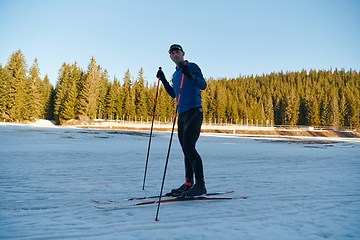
(225, 38)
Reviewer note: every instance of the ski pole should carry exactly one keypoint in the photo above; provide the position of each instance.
(168, 153)
(152, 124)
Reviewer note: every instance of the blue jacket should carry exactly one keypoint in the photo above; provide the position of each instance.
(190, 93)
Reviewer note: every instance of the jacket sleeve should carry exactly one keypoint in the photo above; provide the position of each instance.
(199, 80)
(170, 90)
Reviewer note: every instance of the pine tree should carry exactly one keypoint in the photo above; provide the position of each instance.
(33, 93)
(314, 116)
(76, 75)
(292, 108)
(104, 89)
(47, 98)
(208, 98)
(128, 96)
(140, 95)
(150, 98)
(113, 101)
(279, 111)
(69, 103)
(269, 109)
(5, 81)
(90, 91)
(353, 109)
(334, 109)
(343, 111)
(17, 69)
(165, 105)
(220, 102)
(61, 91)
(324, 110)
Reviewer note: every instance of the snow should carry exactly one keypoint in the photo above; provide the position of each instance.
(295, 190)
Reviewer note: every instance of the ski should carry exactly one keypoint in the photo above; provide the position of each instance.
(103, 201)
(170, 195)
(168, 200)
(155, 197)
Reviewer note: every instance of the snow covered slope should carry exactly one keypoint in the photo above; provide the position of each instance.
(295, 190)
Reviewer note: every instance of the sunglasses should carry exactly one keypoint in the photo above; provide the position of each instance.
(175, 48)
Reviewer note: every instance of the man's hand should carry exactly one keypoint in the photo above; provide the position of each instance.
(160, 74)
(186, 71)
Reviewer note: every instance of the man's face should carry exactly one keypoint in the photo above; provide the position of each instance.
(177, 56)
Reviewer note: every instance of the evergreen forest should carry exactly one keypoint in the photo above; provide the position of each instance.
(314, 98)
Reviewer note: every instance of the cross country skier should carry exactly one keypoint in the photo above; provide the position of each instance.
(190, 118)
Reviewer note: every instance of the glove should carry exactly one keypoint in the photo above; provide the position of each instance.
(160, 74)
(186, 71)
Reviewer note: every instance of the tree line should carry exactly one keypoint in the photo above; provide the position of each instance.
(315, 98)
(23, 94)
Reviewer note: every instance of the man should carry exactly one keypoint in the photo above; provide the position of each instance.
(190, 118)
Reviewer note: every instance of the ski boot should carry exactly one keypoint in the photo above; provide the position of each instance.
(185, 187)
(197, 189)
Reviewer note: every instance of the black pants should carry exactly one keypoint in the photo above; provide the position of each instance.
(189, 125)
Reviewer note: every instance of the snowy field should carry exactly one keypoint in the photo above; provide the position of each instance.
(295, 190)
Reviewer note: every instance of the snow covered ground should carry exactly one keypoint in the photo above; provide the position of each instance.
(295, 190)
